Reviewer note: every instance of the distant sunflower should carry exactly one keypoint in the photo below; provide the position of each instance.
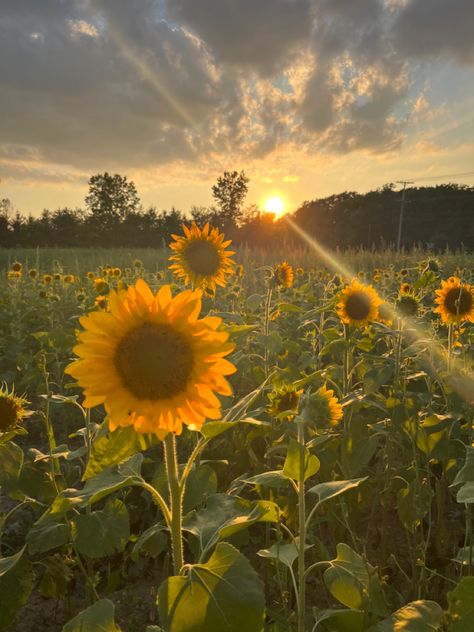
(358, 304)
(201, 257)
(455, 301)
(322, 408)
(17, 266)
(283, 275)
(152, 362)
(12, 408)
(284, 402)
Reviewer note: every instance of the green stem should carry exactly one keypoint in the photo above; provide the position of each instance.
(302, 531)
(450, 347)
(346, 368)
(176, 501)
(266, 322)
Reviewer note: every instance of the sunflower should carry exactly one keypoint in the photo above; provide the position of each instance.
(405, 288)
(100, 285)
(47, 278)
(152, 362)
(69, 278)
(358, 304)
(17, 266)
(322, 408)
(201, 257)
(33, 273)
(455, 301)
(407, 304)
(90, 275)
(12, 409)
(283, 275)
(284, 402)
(101, 301)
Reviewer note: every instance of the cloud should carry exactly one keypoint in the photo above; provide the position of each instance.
(437, 28)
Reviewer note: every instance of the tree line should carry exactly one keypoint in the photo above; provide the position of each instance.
(436, 216)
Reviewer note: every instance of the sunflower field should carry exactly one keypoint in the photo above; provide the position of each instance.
(202, 440)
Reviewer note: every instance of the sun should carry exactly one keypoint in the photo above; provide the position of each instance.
(275, 204)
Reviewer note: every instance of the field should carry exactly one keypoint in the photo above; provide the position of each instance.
(330, 489)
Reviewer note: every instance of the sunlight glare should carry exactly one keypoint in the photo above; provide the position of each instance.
(275, 205)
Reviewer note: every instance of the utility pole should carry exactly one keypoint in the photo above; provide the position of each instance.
(402, 209)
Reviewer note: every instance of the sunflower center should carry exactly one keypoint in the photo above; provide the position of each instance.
(154, 361)
(202, 257)
(458, 301)
(358, 306)
(8, 413)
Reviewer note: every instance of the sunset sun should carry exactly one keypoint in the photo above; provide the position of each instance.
(275, 204)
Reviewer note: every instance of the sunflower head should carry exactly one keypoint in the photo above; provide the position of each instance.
(12, 409)
(201, 257)
(322, 408)
(137, 263)
(407, 304)
(152, 362)
(283, 275)
(80, 296)
(13, 275)
(455, 301)
(90, 275)
(405, 288)
(100, 285)
(404, 272)
(47, 278)
(117, 273)
(299, 271)
(33, 273)
(69, 278)
(17, 266)
(284, 402)
(57, 276)
(358, 304)
(101, 301)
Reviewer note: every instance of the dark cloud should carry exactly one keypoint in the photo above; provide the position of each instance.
(437, 28)
(258, 34)
(117, 84)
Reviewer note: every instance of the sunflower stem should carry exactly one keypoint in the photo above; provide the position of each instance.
(176, 501)
(450, 346)
(302, 531)
(266, 322)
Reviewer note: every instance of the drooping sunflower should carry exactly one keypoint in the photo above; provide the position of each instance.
(455, 301)
(152, 362)
(201, 257)
(322, 408)
(284, 402)
(358, 304)
(12, 408)
(283, 275)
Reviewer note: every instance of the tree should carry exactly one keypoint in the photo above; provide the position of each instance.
(112, 197)
(229, 193)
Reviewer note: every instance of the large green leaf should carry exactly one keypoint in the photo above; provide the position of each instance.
(108, 481)
(225, 515)
(417, 616)
(339, 620)
(466, 473)
(223, 595)
(56, 577)
(274, 479)
(11, 462)
(97, 618)
(201, 483)
(46, 534)
(16, 582)
(152, 541)
(213, 429)
(466, 493)
(461, 606)
(115, 447)
(354, 582)
(103, 532)
(325, 491)
(291, 467)
(284, 553)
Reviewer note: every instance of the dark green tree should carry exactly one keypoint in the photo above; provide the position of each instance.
(229, 193)
(112, 196)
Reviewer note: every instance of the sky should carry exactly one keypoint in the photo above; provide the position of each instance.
(309, 97)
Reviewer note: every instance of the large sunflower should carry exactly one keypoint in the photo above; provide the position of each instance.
(322, 408)
(455, 301)
(12, 408)
(358, 304)
(152, 362)
(201, 257)
(283, 275)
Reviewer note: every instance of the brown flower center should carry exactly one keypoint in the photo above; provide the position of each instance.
(154, 361)
(458, 301)
(358, 306)
(9, 413)
(202, 257)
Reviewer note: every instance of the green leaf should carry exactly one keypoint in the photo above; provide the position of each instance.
(461, 599)
(274, 479)
(225, 515)
(103, 532)
(46, 534)
(97, 618)
(213, 429)
(417, 616)
(466, 493)
(115, 447)
(289, 307)
(354, 582)
(56, 577)
(16, 583)
(284, 553)
(11, 462)
(102, 485)
(254, 301)
(151, 542)
(291, 468)
(201, 483)
(339, 620)
(413, 504)
(466, 473)
(325, 491)
(223, 595)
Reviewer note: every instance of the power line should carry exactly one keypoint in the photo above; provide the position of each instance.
(446, 175)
